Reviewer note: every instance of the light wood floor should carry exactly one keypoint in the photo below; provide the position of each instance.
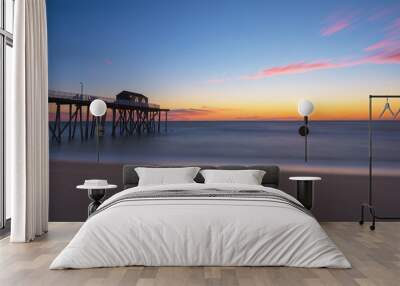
(375, 257)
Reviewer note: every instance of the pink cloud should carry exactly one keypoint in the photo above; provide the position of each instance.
(383, 57)
(391, 41)
(385, 51)
(338, 21)
(299, 67)
(385, 44)
(108, 61)
(335, 27)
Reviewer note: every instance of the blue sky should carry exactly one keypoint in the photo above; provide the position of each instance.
(215, 57)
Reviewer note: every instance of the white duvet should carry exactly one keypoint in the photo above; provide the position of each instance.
(193, 231)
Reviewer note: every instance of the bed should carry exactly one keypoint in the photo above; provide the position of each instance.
(198, 224)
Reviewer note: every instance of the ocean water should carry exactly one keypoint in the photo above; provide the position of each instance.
(336, 144)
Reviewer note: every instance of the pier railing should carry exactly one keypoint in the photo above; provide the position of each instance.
(56, 94)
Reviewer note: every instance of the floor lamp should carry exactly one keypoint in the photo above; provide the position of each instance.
(98, 108)
(305, 108)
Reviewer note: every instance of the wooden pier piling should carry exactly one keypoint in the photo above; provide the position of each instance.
(131, 113)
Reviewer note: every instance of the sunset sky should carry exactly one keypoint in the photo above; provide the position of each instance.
(230, 60)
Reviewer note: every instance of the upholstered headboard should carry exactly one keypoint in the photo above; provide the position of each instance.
(271, 177)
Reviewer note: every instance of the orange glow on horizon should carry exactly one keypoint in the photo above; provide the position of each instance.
(354, 109)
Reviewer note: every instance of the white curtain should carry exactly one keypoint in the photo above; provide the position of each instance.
(27, 124)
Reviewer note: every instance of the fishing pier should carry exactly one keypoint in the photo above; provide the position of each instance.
(131, 114)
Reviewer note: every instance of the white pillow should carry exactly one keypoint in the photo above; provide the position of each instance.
(248, 177)
(166, 176)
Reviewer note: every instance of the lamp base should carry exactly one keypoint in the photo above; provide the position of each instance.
(303, 130)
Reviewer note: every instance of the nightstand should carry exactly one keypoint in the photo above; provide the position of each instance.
(305, 190)
(96, 193)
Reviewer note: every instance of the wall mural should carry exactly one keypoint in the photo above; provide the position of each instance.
(220, 82)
